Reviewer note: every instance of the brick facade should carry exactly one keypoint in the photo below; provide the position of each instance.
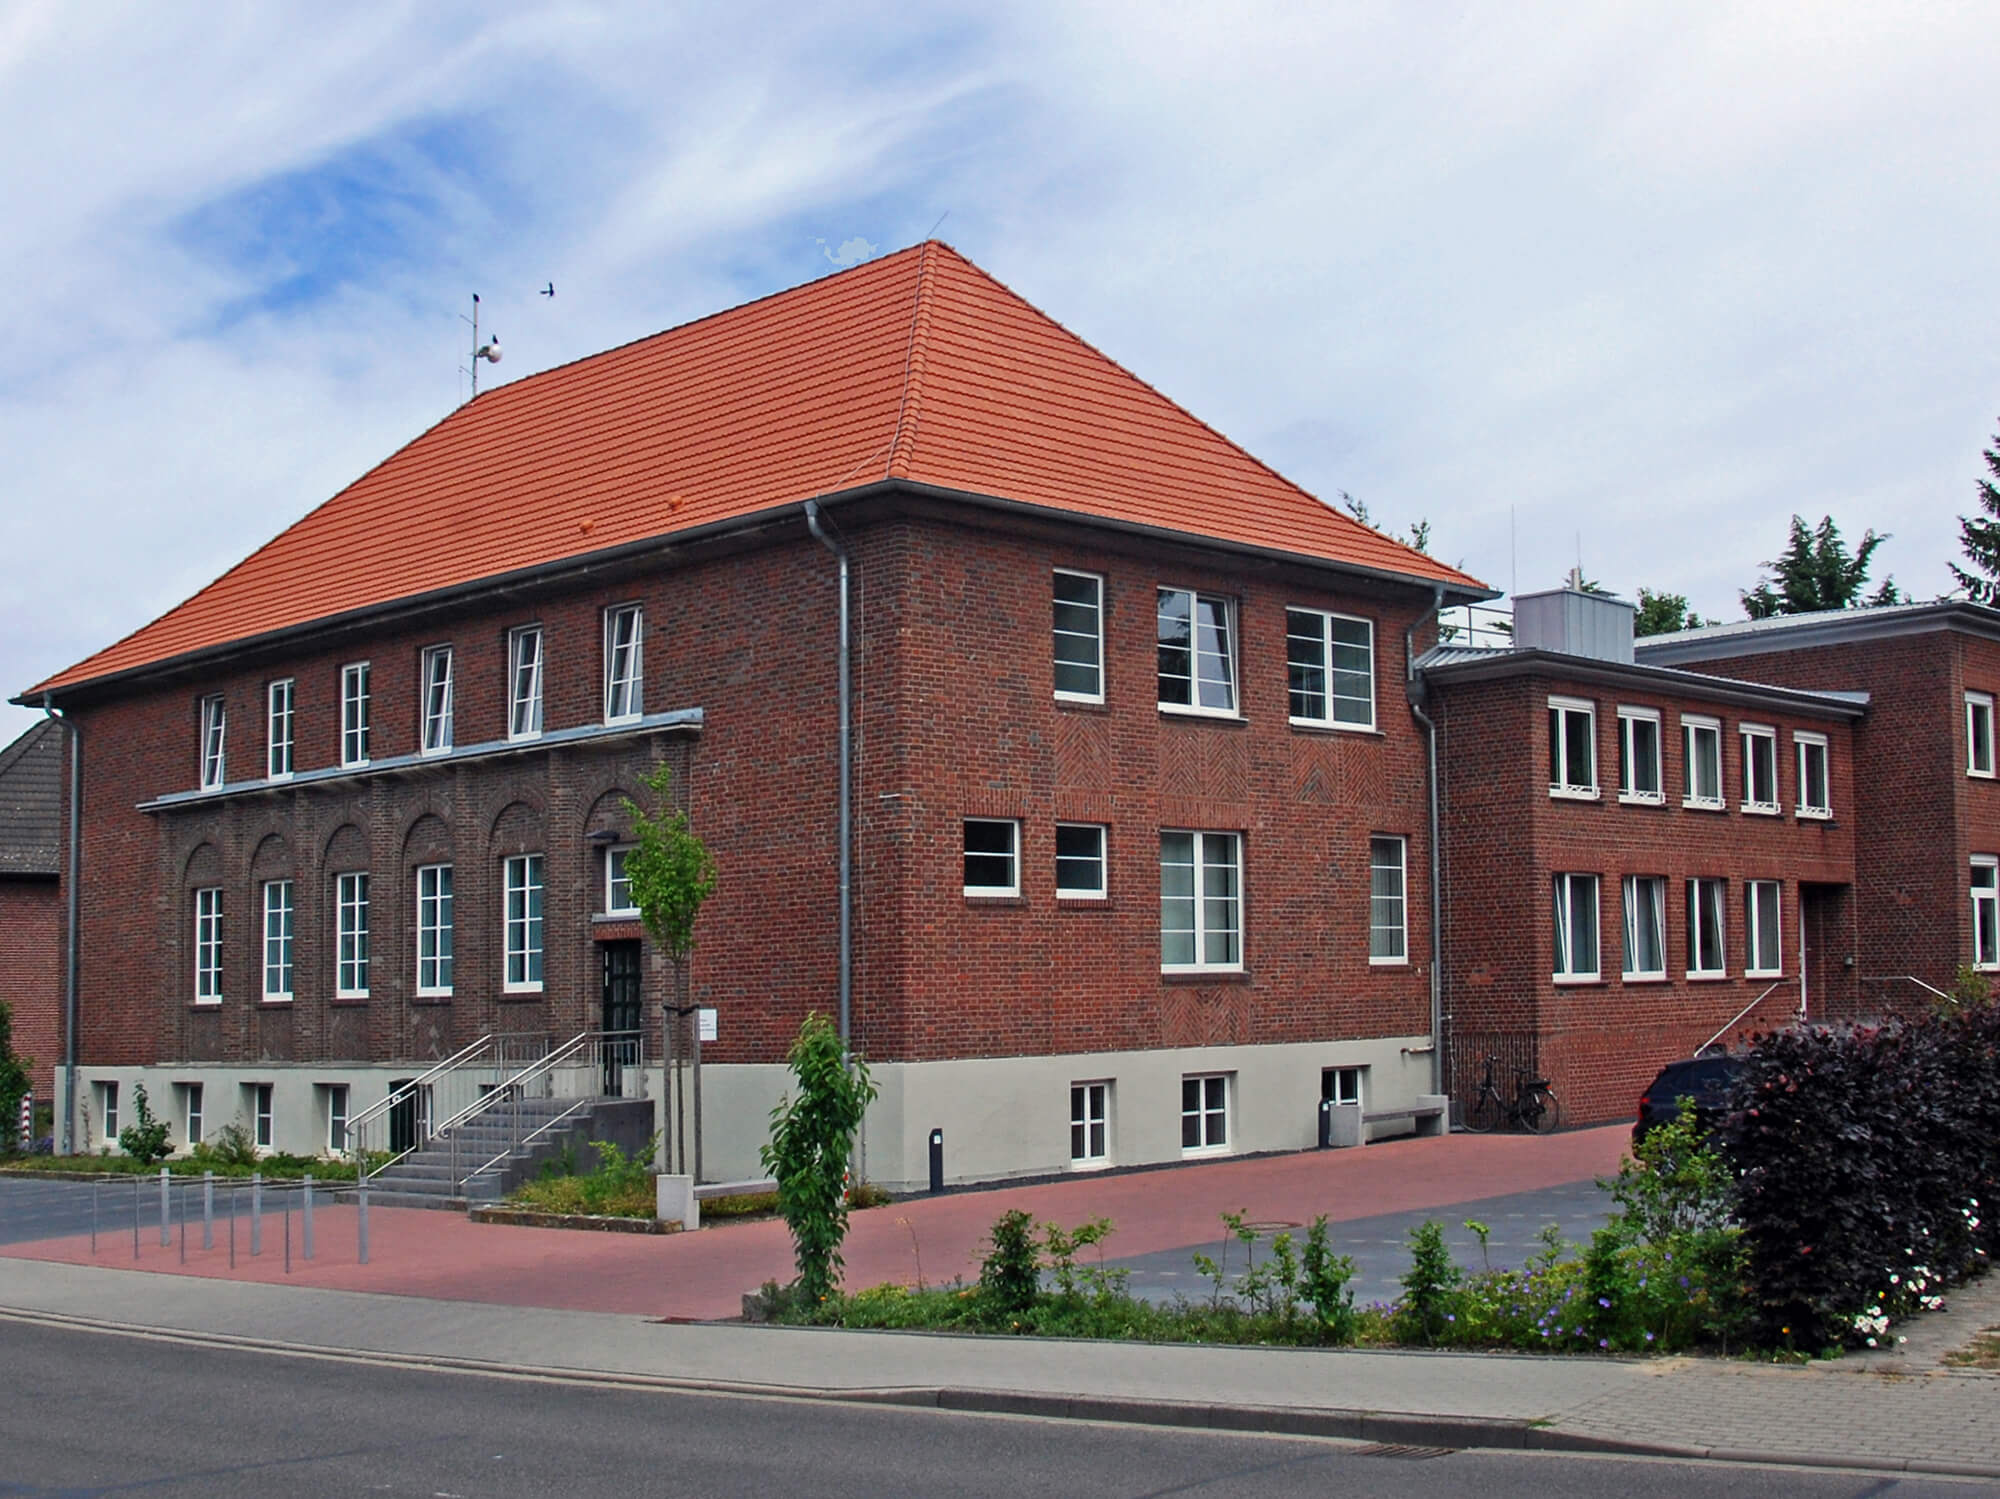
(31, 960)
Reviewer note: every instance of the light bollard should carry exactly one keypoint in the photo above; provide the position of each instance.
(256, 1213)
(306, 1217)
(208, 1210)
(166, 1239)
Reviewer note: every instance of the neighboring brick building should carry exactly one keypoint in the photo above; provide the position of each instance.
(1928, 895)
(30, 897)
(1139, 804)
(1636, 860)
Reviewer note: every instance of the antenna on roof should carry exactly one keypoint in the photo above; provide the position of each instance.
(488, 351)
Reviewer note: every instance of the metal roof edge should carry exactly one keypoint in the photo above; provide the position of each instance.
(1827, 627)
(1528, 661)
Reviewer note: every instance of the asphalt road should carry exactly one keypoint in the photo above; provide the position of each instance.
(85, 1413)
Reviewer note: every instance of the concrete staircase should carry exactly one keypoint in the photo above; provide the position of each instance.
(426, 1178)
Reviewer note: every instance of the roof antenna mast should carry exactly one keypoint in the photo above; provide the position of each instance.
(488, 351)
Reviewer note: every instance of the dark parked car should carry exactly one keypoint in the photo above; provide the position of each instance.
(1707, 1080)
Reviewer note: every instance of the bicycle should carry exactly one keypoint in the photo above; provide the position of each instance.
(1534, 1107)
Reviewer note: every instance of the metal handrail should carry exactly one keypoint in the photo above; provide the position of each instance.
(1908, 978)
(530, 1138)
(375, 1110)
(509, 1087)
(513, 1091)
(1731, 1024)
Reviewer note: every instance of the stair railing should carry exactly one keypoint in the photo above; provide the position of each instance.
(588, 1066)
(1731, 1025)
(466, 1072)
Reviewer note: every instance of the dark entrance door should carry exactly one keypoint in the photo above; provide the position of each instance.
(621, 1013)
(402, 1116)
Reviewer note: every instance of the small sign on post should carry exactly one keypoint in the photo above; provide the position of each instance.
(704, 1023)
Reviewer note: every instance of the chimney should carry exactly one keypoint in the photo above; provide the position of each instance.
(1573, 622)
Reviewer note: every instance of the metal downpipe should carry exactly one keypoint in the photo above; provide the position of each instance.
(1417, 691)
(846, 781)
(72, 862)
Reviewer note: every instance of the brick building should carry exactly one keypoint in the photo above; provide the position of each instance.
(30, 896)
(1928, 829)
(1139, 805)
(1636, 860)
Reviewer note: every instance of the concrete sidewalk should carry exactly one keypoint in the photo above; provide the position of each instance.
(1903, 1414)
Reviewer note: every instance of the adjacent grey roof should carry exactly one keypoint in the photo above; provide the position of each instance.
(31, 802)
(1785, 632)
(1449, 663)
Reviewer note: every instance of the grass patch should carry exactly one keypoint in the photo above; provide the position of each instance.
(1983, 1352)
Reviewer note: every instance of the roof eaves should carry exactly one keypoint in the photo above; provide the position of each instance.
(1531, 661)
(1787, 632)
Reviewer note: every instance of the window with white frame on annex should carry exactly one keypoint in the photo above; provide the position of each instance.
(191, 1120)
(1089, 1124)
(617, 883)
(1701, 750)
(208, 945)
(1639, 770)
(1760, 767)
(1080, 862)
(1341, 1085)
(1645, 926)
(1985, 912)
(1079, 636)
(260, 1113)
(1575, 927)
(214, 732)
(1572, 747)
(524, 923)
(1197, 653)
(1201, 902)
(1815, 788)
(434, 929)
(280, 698)
(1388, 908)
(1978, 734)
(437, 705)
(992, 856)
(1330, 669)
(624, 662)
(1205, 1112)
(350, 900)
(107, 1100)
(524, 682)
(277, 940)
(1764, 945)
(336, 1117)
(1707, 955)
(354, 706)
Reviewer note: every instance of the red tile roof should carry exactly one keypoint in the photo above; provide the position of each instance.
(917, 366)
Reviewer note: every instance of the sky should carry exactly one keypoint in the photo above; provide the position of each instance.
(1625, 286)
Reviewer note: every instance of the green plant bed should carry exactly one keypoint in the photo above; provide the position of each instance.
(739, 1205)
(619, 1186)
(271, 1168)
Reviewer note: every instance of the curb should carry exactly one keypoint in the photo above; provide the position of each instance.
(1397, 1427)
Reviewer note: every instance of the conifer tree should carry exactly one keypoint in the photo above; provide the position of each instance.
(1979, 535)
(1816, 571)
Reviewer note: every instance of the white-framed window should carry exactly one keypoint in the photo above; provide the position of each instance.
(1341, 1085)
(1080, 863)
(354, 713)
(1760, 767)
(1330, 669)
(524, 924)
(1985, 912)
(350, 900)
(214, 730)
(1645, 926)
(281, 699)
(1707, 955)
(277, 940)
(208, 945)
(1079, 636)
(1388, 913)
(617, 884)
(624, 662)
(524, 682)
(1572, 747)
(1576, 927)
(1815, 786)
(1979, 734)
(336, 1117)
(434, 929)
(260, 1113)
(1205, 1113)
(1197, 653)
(1701, 750)
(992, 856)
(1089, 1124)
(437, 707)
(191, 1113)
(107, 1104)
(1639, 770)
(1763, 927)
(1201, 902)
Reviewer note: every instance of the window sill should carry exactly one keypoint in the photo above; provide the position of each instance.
(1759, 809)
(1075, 898)
(1645, 978)
(279, 779)
(521, 991)
(1201, 1152)
(1211, 715)
(1098, 1165)
(1065, 700)
(1321, 726)
(1706, 978)
(1815, 814)
(1979, 775)
(1236, 975)
(1402, 962)
(275, 1002)
(432, 996)
(1574, 794)
(206, 1004)
(528, 738)
(1763, 973)
(351, 999)
(1575, 980)
(1687, 806)
(995, 897)
(1640, 799)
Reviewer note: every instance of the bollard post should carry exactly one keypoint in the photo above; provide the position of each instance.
(186, 1187)
(361, 1222)
(135, 1217)
(208, 1210)
(1325, 1123)
(232, 1227)
(256, 1213)
(937, 1160)
(93, 1218)
(306, 1217)
(288, 1235)
(165, 1238)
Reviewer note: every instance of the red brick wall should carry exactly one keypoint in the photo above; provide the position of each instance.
(31, 974)
(1506, 838)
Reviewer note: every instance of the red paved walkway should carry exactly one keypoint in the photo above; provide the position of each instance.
(703, 1275)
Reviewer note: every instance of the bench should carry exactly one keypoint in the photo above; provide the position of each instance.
(1346, 1124)
(678, 1200)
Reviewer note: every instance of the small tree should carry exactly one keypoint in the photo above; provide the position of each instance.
(1979, 535)
(145, 1138)
(1665, 614)
(671, 870)
(1816, 572)
(13, 1082)
(812, 1138)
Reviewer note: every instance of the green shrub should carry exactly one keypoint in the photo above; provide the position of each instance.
(1010, 1276)
(619, 1186)
(13, 1083)
(812, 1136)
(145, 1138)
(1430, 1288)
(232, 1146)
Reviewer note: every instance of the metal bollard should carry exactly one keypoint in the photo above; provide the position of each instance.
(937, 1160)
(232, 1227)
(256, 1213)
(288, 1235)
(361, 1222)
(1325, 1123)
(135, 1217)
(186, 1187)
(93, 1218)
(165, 1238)
(208, 1210)
(306, 1216)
